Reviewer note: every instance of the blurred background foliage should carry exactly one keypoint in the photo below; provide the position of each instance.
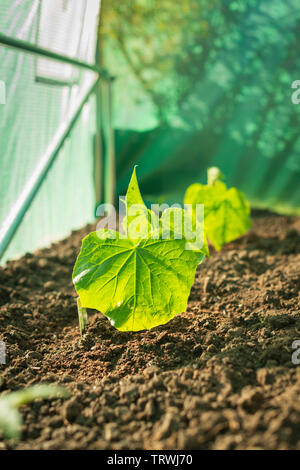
(206, 82)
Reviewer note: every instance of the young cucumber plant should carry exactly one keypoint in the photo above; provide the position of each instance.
(138, 281)
(226, 211)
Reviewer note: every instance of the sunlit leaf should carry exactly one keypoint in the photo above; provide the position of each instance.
(227, 212)
(142, 281)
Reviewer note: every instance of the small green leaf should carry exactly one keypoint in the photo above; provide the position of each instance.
(133, 195)
(10, 422)
(139, 222)
(10, 418)
(226, 211)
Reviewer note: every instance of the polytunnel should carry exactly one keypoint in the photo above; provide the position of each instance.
(54, 122)
(223, 97)
(169, 324)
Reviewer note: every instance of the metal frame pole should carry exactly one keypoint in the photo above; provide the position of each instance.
(98, 138)
(109, 161)
(104, 139)
(19, 209)
(32, 49)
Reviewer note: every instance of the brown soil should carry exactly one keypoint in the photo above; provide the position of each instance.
(219, 376)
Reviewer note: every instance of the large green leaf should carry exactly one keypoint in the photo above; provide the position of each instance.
(142, 278)
(182, 224)
(137, 285)
(227, 212)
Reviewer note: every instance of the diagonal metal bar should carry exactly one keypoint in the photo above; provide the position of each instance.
(18, 210)
(26, 46)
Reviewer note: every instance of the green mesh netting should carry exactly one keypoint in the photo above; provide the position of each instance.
(39, 94)
(207, 82)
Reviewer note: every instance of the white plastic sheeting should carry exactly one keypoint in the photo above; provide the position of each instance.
(33, 112)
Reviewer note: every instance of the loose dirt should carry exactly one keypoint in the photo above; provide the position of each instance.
(218, 376)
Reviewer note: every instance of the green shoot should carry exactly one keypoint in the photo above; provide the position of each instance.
(10, 418)
(227, 212)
